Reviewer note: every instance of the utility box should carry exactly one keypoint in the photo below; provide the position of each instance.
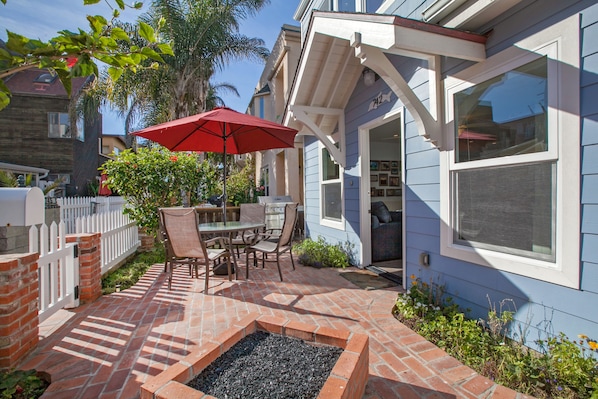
(21, 206)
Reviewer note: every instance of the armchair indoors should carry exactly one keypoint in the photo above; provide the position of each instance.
(387, 233)
(275, 244)
(184, 244)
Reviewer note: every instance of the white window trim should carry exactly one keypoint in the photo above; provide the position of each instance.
(335, 224)
(561, 43)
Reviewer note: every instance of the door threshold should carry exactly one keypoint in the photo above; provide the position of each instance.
(384, 273)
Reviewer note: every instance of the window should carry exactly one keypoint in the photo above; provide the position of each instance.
(511, 177)
(373, 5)
(59, 125)
(265, 180)
(505, 208)
(331, 190)
(80, 134)
(503, 116)
(368, 6)
(262, 107)
(346, 5)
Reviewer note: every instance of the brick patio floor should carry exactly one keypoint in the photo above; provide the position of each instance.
(107, 349)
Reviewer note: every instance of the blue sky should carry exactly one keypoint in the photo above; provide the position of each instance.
(43, 18)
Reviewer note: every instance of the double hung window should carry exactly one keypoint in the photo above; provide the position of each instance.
(59, 125)
(506, 206)
(511, 178)
(331, 190)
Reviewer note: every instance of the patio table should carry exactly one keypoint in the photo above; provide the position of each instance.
(229, 228)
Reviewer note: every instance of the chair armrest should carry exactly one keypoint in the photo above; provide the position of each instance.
(375, 222)
(220, 241)
(268, 234)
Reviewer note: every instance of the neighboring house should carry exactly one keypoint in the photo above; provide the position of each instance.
(20, 170)
(496, 107)
(38, 131)
(112, 144)
(281, 170)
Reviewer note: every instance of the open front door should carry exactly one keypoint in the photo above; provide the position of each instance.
(381, 171)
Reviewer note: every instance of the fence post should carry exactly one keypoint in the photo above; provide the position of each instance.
(19, 322)
(90, 265)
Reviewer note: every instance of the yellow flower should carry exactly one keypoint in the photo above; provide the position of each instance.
(413, 277)
(582, 336)
(593, 345)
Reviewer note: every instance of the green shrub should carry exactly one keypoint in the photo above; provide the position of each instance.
(561, 369)
(21, 384)
(154, 177)
(322, 254)
(127, 275)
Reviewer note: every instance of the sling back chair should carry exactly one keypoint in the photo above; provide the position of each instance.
(251, 213)
(275, 243)
(185, 245)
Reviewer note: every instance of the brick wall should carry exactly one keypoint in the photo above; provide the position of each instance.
(90, 265)
(19, 320)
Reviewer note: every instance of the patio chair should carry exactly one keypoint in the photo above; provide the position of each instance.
(185, 245)
(275, 244)
(251, 213)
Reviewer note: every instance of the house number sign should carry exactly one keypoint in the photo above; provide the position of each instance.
(379, 100)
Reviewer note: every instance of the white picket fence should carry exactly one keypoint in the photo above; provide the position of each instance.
(72, 208)
(58, 265)
(119, 236)
(58, 269)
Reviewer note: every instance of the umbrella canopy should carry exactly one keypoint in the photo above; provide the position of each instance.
(221, 130)
(470, 135)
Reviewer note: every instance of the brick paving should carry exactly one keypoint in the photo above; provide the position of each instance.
(109, 348)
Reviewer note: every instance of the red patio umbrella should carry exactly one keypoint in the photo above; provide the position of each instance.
(221, 130)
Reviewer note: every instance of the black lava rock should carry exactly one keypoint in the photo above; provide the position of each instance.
(268, 366)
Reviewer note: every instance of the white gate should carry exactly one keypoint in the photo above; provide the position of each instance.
(58, 269)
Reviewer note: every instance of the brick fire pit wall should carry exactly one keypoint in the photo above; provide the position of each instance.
(347, 379)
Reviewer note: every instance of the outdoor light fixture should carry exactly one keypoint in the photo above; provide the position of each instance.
(369, 77)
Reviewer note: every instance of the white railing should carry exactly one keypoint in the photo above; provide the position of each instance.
(72, 208)
(58, 269)
(119, 236)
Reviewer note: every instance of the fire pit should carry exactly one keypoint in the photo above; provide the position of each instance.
(347, 379)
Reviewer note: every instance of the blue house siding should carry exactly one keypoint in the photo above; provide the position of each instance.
(409, 8)
(541, 307)
(589, 139)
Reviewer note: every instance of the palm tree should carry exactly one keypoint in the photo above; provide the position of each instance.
(204, 38)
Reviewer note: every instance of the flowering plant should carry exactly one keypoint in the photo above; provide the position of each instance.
(260, 190)
(559, 368)
(155, 177)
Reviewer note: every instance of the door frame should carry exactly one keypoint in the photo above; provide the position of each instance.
(364, 189)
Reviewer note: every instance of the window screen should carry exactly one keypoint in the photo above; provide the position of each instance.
(508, 209)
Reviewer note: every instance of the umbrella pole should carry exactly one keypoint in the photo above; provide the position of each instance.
(224, 182)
